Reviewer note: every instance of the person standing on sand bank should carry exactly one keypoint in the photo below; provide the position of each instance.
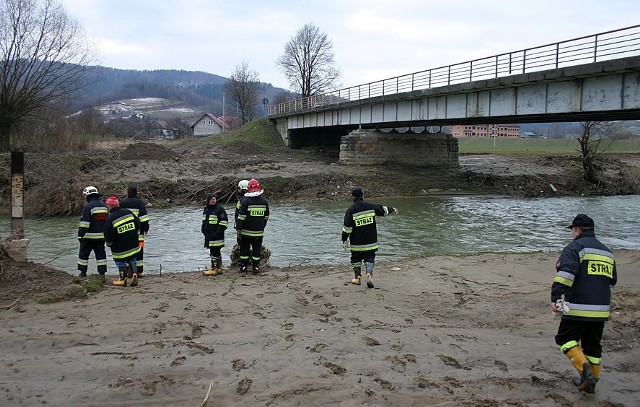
(121, 235)
(138, 208)
(586, 270)
(90, 232)
(252, 220)
(243, 185)
(214, 223)
(360, 235)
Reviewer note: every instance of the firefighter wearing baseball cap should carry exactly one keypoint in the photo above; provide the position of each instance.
(360, 235)
(138, 207)
(585, 272)
(214, 223)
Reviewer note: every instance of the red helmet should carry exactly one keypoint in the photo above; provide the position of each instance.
(254, 185)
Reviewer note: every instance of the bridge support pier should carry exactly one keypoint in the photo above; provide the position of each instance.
(376, 147)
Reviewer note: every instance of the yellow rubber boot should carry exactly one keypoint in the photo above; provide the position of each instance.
(213, 270)
(595, 369)
(587, 381)
(122, 278)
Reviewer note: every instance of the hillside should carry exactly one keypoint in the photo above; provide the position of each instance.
(199, 91)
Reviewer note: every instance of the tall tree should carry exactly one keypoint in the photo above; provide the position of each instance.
(243, 87)
(43, 55)
(307, 62)
(594, 140)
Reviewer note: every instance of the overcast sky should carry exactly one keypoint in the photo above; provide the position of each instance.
(372, 39)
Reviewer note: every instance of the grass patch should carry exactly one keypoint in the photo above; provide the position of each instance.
(528, 146)
(258, 132)
(75, 292)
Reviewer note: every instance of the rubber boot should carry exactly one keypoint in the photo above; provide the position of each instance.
(140, 271)
(587, 381)
(219, 269)
(255, 267)
(213, 270)
(132, 277)
(369, 274)
(243, 266)
(122, 280)
(357, 272)
(577, 380)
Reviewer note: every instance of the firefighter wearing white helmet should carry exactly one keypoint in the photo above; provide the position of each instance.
(91, 232)
(252, 220)
(243, 185)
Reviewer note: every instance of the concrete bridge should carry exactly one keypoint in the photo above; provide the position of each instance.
(595, 77)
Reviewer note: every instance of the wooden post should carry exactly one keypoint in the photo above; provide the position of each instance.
(17, 194)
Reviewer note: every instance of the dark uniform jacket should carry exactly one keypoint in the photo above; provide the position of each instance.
(360, 225)
(138, 207)
(214, 223)
(92, 220)
(238, 204)
(253, 216)
(586, 270)
(121, 233)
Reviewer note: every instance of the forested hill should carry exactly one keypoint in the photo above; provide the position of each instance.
(199, 89)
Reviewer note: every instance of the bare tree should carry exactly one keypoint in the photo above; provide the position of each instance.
(43, 56)
(594, 141)
(243, 87)
(308, 63)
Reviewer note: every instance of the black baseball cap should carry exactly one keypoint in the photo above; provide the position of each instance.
(582, 221)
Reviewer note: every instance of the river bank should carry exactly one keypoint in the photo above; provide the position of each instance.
(441, 330)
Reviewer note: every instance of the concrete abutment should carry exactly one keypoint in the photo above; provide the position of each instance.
(371, 147)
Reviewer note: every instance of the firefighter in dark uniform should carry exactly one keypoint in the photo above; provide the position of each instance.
(243, 185)
(138, 207)
(121, 232)
(360, 235)
(214, 223)
(90, 232)
(252, 220)
(586, 270)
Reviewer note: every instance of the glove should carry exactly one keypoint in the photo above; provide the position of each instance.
(396, 210)
(346, 245)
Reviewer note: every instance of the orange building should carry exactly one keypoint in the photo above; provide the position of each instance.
(486, 130)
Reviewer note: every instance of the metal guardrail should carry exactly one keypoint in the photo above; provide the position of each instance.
(608, 45)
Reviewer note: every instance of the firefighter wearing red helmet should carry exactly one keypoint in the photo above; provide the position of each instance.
(253, 215)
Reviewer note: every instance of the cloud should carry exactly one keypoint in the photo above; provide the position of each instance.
(373, 39)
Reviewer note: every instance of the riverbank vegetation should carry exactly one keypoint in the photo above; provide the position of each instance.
(181, 172)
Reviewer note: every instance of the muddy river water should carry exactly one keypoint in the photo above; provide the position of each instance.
(310, 233)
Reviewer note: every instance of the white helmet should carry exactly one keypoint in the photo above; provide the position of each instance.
(90, 190)
(243, 185)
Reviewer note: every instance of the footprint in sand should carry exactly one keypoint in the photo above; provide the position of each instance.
(501, 365)
(238, 364)
(449, 361)
(371, 341)
(244, 385)
(196, 331)
(318, 347)
(178, 361)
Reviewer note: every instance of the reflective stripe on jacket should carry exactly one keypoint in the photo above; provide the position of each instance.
(253, 216)
(92, 220)
(585, 272)
(359, 224)
(121, 233)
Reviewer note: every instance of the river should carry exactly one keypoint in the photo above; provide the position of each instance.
(310, 233)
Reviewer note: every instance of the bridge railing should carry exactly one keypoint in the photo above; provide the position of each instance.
(603, 46)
